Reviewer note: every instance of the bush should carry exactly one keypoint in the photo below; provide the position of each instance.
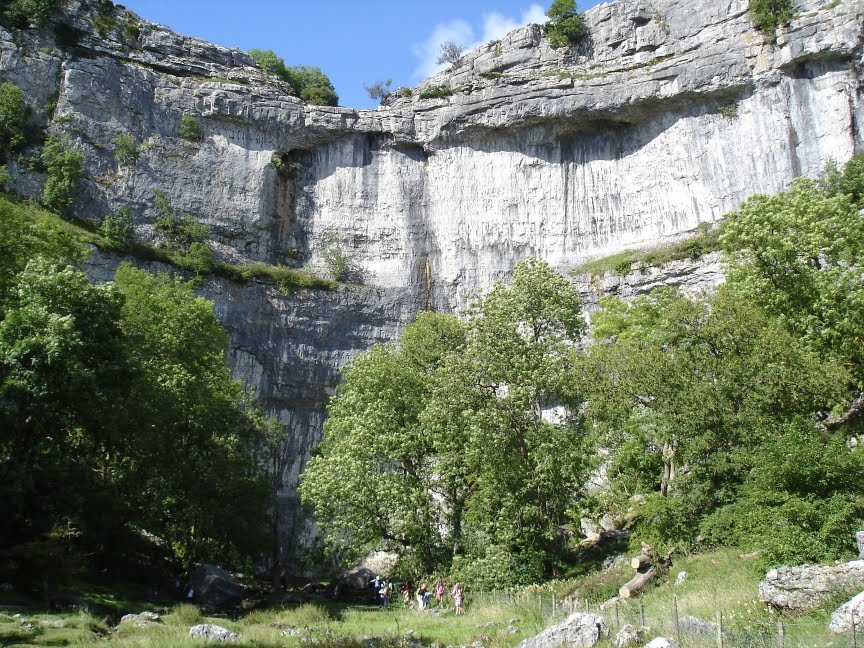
(180, 232)
(378, 91)
(200, 257)
(435, 92)
(13, 117)
(105, 21)
(31, 13)
(126, 149)
(64, 169)
(336, 261)
(190, 128)
(566, 25)
(768, 15)
(117, 228)
(308, 83)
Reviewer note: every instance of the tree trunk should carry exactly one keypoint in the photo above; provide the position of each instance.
(636, 584)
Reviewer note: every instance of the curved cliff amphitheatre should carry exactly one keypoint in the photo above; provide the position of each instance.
(664, 118)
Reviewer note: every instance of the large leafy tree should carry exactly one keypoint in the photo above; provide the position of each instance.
(445, 446)
(194, 443)
(63, 365)
(798, 256)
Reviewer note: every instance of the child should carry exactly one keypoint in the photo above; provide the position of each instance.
(458, 599)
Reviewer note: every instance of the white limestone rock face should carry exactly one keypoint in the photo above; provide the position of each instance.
(667, 117)
(808, 586)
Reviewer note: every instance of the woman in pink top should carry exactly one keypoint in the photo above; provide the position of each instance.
(440, 588)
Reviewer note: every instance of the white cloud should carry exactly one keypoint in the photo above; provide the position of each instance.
(460, 31)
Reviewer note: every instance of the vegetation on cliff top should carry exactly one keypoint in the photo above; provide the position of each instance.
(308, 83)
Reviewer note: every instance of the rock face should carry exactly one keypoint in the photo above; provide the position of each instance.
(809, 586)
(579, 630)
(851, 611)
(668, 116)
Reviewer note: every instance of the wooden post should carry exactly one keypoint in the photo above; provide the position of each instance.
(781, 635)
(853, 631)
(675, 619)
(554, 605)
(617, 617)
(641, 613)
(540, 603)
(719, 629)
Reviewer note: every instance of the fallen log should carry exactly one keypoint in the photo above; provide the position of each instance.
(637, 583)
(640, 562)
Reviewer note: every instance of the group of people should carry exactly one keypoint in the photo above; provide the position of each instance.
(423, 595)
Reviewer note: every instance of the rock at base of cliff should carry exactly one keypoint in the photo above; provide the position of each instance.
(629, 635)
(809, 586)
(215, 587)
(850, 612)
(209, 632)
(579, 630)
(662, 642)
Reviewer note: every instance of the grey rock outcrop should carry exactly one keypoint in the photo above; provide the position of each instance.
(859, 541)
(210, 632)
(662, 642)
(665, 118)
(629, 635)
(215, 587)
(809, 586)
(850, 612)
(579, 630)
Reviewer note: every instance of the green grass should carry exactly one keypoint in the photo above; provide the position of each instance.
(285, 279)
(706, 240)
(724, 580)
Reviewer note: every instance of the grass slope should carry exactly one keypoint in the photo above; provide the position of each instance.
(723, 581)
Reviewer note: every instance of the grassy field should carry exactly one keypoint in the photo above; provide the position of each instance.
(721, 581)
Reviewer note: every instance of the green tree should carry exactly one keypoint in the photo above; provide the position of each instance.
(443, 448)
(768, 15)
(566, 25)
(680, 383)
(63, 367)
(13, 118)
(795, 254)
(196, 437)
(117, 228)
(30, 13)
(190, 128)
(64, 170)
(308, 83)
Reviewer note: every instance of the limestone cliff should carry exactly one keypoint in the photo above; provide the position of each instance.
(670, 114)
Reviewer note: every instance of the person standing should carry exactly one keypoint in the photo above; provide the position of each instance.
(458, 595)
(440, 588)
(422, 593)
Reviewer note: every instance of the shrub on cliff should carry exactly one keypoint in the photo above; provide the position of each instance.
(565, 25)
(64, 169)
(308, 83)
(768, 15)
(13, 114)
(29, 13)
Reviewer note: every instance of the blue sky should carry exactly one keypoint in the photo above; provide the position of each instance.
(354, 42)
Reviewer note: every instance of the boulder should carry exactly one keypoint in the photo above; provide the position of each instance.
(852, 610)
(579, 630)
(210, 632)
(696, 626)
(629, 635)
(809, 586)
(215, 587)
(358, 579)
(681, 578)
(662, 642)
(859, 540)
